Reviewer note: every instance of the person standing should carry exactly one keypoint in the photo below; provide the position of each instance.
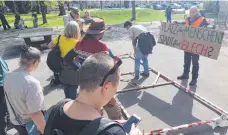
(74, 15)
(4, 21)
(168, 14)
(195, 20)
(67, 42)
(143, 42)
(90, 44)
(24, 95)
(3, 108)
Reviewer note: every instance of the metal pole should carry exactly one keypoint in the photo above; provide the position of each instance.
(194, 94)
(143, 87)
(167, 130)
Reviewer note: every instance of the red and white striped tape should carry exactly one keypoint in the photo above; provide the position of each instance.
(167, 130)
(194, 94)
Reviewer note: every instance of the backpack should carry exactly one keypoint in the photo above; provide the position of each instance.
(94, 128)
(54, 60)
(146, 42)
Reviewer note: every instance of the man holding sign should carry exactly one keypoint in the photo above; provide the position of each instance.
(195, 20)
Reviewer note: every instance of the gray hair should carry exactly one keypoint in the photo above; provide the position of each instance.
(93, 70)
(29, 56)
(196, 9)
(72, 30)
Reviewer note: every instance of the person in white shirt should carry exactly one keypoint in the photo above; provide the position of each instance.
(143, 42)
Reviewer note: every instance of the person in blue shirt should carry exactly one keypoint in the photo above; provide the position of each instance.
(3, 107)
(168, 13)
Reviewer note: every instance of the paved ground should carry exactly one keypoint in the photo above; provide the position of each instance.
(160, 107)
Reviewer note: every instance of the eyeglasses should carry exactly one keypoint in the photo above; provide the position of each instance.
(118, 62)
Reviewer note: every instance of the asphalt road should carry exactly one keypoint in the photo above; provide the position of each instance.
(160, 107)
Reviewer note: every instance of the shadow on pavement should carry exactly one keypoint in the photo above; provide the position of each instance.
(49, 88)
(12, 52)
(131, 95)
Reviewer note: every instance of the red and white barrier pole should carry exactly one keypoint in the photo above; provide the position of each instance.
(194, 94)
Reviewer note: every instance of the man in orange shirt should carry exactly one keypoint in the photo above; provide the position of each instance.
(195, 20)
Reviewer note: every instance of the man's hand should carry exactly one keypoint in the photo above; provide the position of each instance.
(112, 101)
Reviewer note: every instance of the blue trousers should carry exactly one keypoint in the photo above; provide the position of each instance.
(31, 127)
(70, 91)
(139, 56)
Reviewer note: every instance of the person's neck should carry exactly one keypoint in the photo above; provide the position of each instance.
(25, 69)
(89, 100)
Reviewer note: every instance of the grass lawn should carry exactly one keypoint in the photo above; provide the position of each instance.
(110, 17)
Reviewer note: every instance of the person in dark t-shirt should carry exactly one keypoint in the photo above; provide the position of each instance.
(97, 86)
(91, 44)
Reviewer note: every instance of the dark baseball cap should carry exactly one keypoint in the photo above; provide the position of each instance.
(75, 10)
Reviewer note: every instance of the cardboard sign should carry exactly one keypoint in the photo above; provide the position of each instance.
(202, 41)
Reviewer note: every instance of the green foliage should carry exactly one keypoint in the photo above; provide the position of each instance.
(2, 3)
(110, 17)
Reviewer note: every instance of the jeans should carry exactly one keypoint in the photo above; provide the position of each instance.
(139, 56)
(70, 91)
(3, 111)
(168, 18)
(31, 127)
(194, 58)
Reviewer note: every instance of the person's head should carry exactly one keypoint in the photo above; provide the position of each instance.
(194, 11)
(30, 58)
(87, 14)
(99, 76)
(95, 28)
(72, 30)
(75, 13)
(127, 25)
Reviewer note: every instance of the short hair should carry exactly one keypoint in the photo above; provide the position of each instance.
(75, 11)
(29, 55)
(195, 8)
(93, 70)
(127, 23)
(72, 29)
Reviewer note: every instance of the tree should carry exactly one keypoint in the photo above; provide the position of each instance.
(101, 4)
(62, 10)
(43, 7)
(12, 5)
(126, 4)
(133, 10)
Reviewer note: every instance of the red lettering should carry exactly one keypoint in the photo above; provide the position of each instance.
(204, 50)
(198, 48)
(193, 47)
(185, 44)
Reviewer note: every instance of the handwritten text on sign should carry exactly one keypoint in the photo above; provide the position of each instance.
(202, 41)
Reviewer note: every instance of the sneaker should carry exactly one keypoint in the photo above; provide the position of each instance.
(193, 82)
(145, 74)
(182, 77)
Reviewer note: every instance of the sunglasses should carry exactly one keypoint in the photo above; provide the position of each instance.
(118, 62)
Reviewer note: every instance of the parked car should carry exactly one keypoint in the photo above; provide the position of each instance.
(157, 6)
(175, 6)
(164, 6)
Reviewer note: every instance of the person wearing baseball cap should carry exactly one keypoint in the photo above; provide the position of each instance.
(90, 44)
(74, 15)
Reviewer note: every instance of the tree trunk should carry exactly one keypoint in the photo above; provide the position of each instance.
(133, 10)
(101, 4)
(126, 4)
(38, 7)
(68, 6)
(81, 6)
(43, 11)
(14, 7)
(62, 10)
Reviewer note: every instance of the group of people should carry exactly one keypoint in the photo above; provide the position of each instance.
(90, 75)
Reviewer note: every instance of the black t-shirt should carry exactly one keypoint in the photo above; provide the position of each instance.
(72, 126)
